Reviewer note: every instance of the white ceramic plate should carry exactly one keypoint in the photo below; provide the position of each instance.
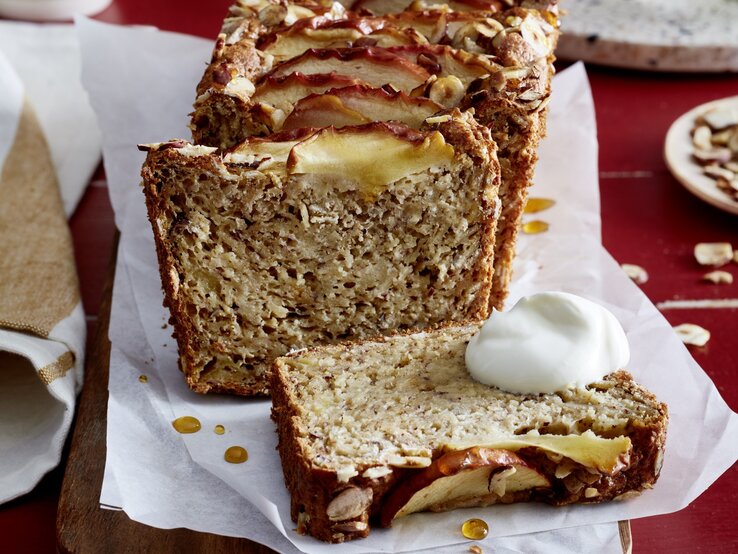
(678, 150)
(656, 35)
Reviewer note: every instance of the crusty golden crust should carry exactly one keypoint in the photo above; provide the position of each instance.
(313, 488)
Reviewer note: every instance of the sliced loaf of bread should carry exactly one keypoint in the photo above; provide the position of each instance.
(495, 57)
(376, 430)
(316, 236)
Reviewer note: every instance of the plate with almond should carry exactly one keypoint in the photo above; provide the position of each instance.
(701, 151)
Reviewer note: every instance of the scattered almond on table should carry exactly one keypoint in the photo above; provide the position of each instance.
(713, 253)
(718, 277)
(692, 334)
(635, 272)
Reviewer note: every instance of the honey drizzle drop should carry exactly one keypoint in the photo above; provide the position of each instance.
(475, 529)
(236, 455)
(219, 429)
(535, 226)
(534, 205)
(186, 424)
(143, 378)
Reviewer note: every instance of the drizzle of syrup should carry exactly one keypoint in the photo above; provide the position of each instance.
(475, 529)
(143, 378)
(186, 424)
(236, 455)
(535, 226)
(534, 205)
(219, 429)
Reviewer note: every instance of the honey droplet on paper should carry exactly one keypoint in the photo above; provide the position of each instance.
(186, 424)
(534, 205)
(236, 455)
(535, 226)
(219, 429)
(475, 529)
(143, 378)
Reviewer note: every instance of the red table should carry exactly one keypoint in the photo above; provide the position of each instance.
(648, 219)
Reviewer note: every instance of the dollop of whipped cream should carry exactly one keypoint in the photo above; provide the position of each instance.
(547, 342)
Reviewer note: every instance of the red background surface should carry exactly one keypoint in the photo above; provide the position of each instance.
(648, 219)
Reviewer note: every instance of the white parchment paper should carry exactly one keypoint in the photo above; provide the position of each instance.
(141, 83)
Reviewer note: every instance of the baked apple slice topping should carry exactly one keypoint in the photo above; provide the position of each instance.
(472, 477)
(375, 66)
(444, 61)
(382, 7)
(283, 92)
(291, 43)
(360, 104)
(373, 155)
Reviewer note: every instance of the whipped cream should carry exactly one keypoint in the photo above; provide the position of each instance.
(547, 342)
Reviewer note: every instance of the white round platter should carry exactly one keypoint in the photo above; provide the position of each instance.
(678, 150)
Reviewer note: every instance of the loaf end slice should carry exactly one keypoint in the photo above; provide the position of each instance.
(375, 430)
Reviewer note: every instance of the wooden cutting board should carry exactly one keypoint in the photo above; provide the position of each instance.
(81, 525)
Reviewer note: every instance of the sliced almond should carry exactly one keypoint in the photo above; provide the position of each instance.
(635, 272)
(719, 155)
(692, 334)
(713, 253)
(702, 137)
(447, 91)
(720, 118)
(718, 172)
(718, 277)
(349, 504)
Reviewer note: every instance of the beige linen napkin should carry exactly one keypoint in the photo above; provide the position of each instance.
(42, 323)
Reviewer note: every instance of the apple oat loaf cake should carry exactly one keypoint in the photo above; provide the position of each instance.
(314, 236)
(280, 65)
(376, 430)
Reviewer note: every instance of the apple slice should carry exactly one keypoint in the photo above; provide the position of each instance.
(283, 92)
(360, 104)
(608, 456)
(287, 45)
(375, 66)
(437, 26)
(323, 110)
(291, 43)
(373, 155)
(444, 61)
(383, 7)
(266, 153)
(472, 477)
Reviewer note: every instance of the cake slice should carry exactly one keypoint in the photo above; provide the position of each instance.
(376, 430)
(315, 236)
